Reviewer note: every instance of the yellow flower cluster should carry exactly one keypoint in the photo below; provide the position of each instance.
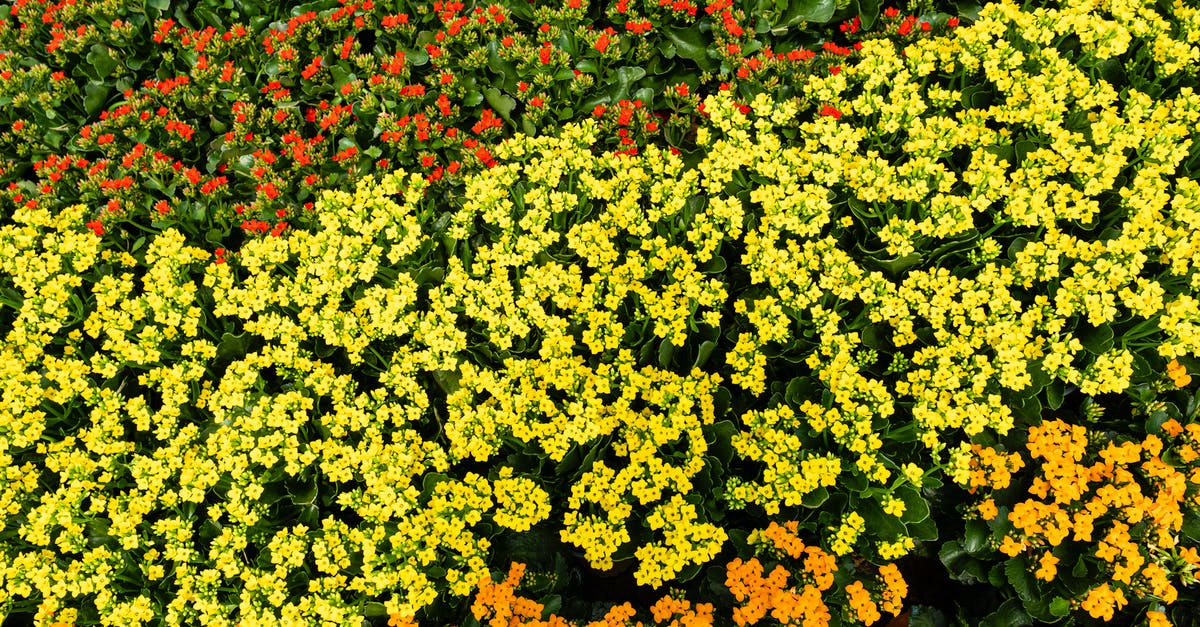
(770, 436)
(520, 502)
(164, 413)
(686, 542)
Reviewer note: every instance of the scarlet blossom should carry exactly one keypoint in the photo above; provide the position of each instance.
(96, 226)
(602, 43)
(830, 111)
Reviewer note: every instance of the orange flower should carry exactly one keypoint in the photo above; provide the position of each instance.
(1178, 374)
(1048, 567)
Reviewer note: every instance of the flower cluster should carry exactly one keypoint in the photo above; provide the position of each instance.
(807, 602)
(256, 374)
(1112, 511)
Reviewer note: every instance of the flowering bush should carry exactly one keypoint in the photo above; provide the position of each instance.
(675, 327)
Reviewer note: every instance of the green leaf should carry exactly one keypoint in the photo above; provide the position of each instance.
(819, 11)
(666, 350)
(446, 380)
(1016, 570)
(1096, 340)
(799, 390)
(953, 556)
(1060, 607)
(161, 5)
(815, 499)
(718, 437)
(874, 336)
(95, 95)
(501, 102)
(916, 509)
(1009, 614)
(868, 12)
(1054, 394)
(1028, 409)
(622, 80)
(702, 354)
(925, 531)
(233, 346)
(879, 523)
(691, 45)
(975, 537)
(926, 616)
(1038, 378)
(1191, 527)
(101, 62)
(897, 265)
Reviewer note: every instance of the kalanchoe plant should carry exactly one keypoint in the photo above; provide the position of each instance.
(706, 313)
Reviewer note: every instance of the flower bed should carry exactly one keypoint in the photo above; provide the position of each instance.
(477, 315)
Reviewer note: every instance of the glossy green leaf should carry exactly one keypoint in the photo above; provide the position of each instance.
(622, 80)
(692, 45)
(502, 103)
(1095, 340)
(95, 96)
(819, 11)
(703, 353)
(101, 62)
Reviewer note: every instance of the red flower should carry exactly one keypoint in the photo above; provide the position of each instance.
(536, 101)
(829, 111)
(96, 226)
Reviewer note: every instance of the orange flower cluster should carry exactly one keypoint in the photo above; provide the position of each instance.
(992, 468)
(1178, 374)
(805, 603)
(1121, 500)
(498, 605)
(759, 595)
